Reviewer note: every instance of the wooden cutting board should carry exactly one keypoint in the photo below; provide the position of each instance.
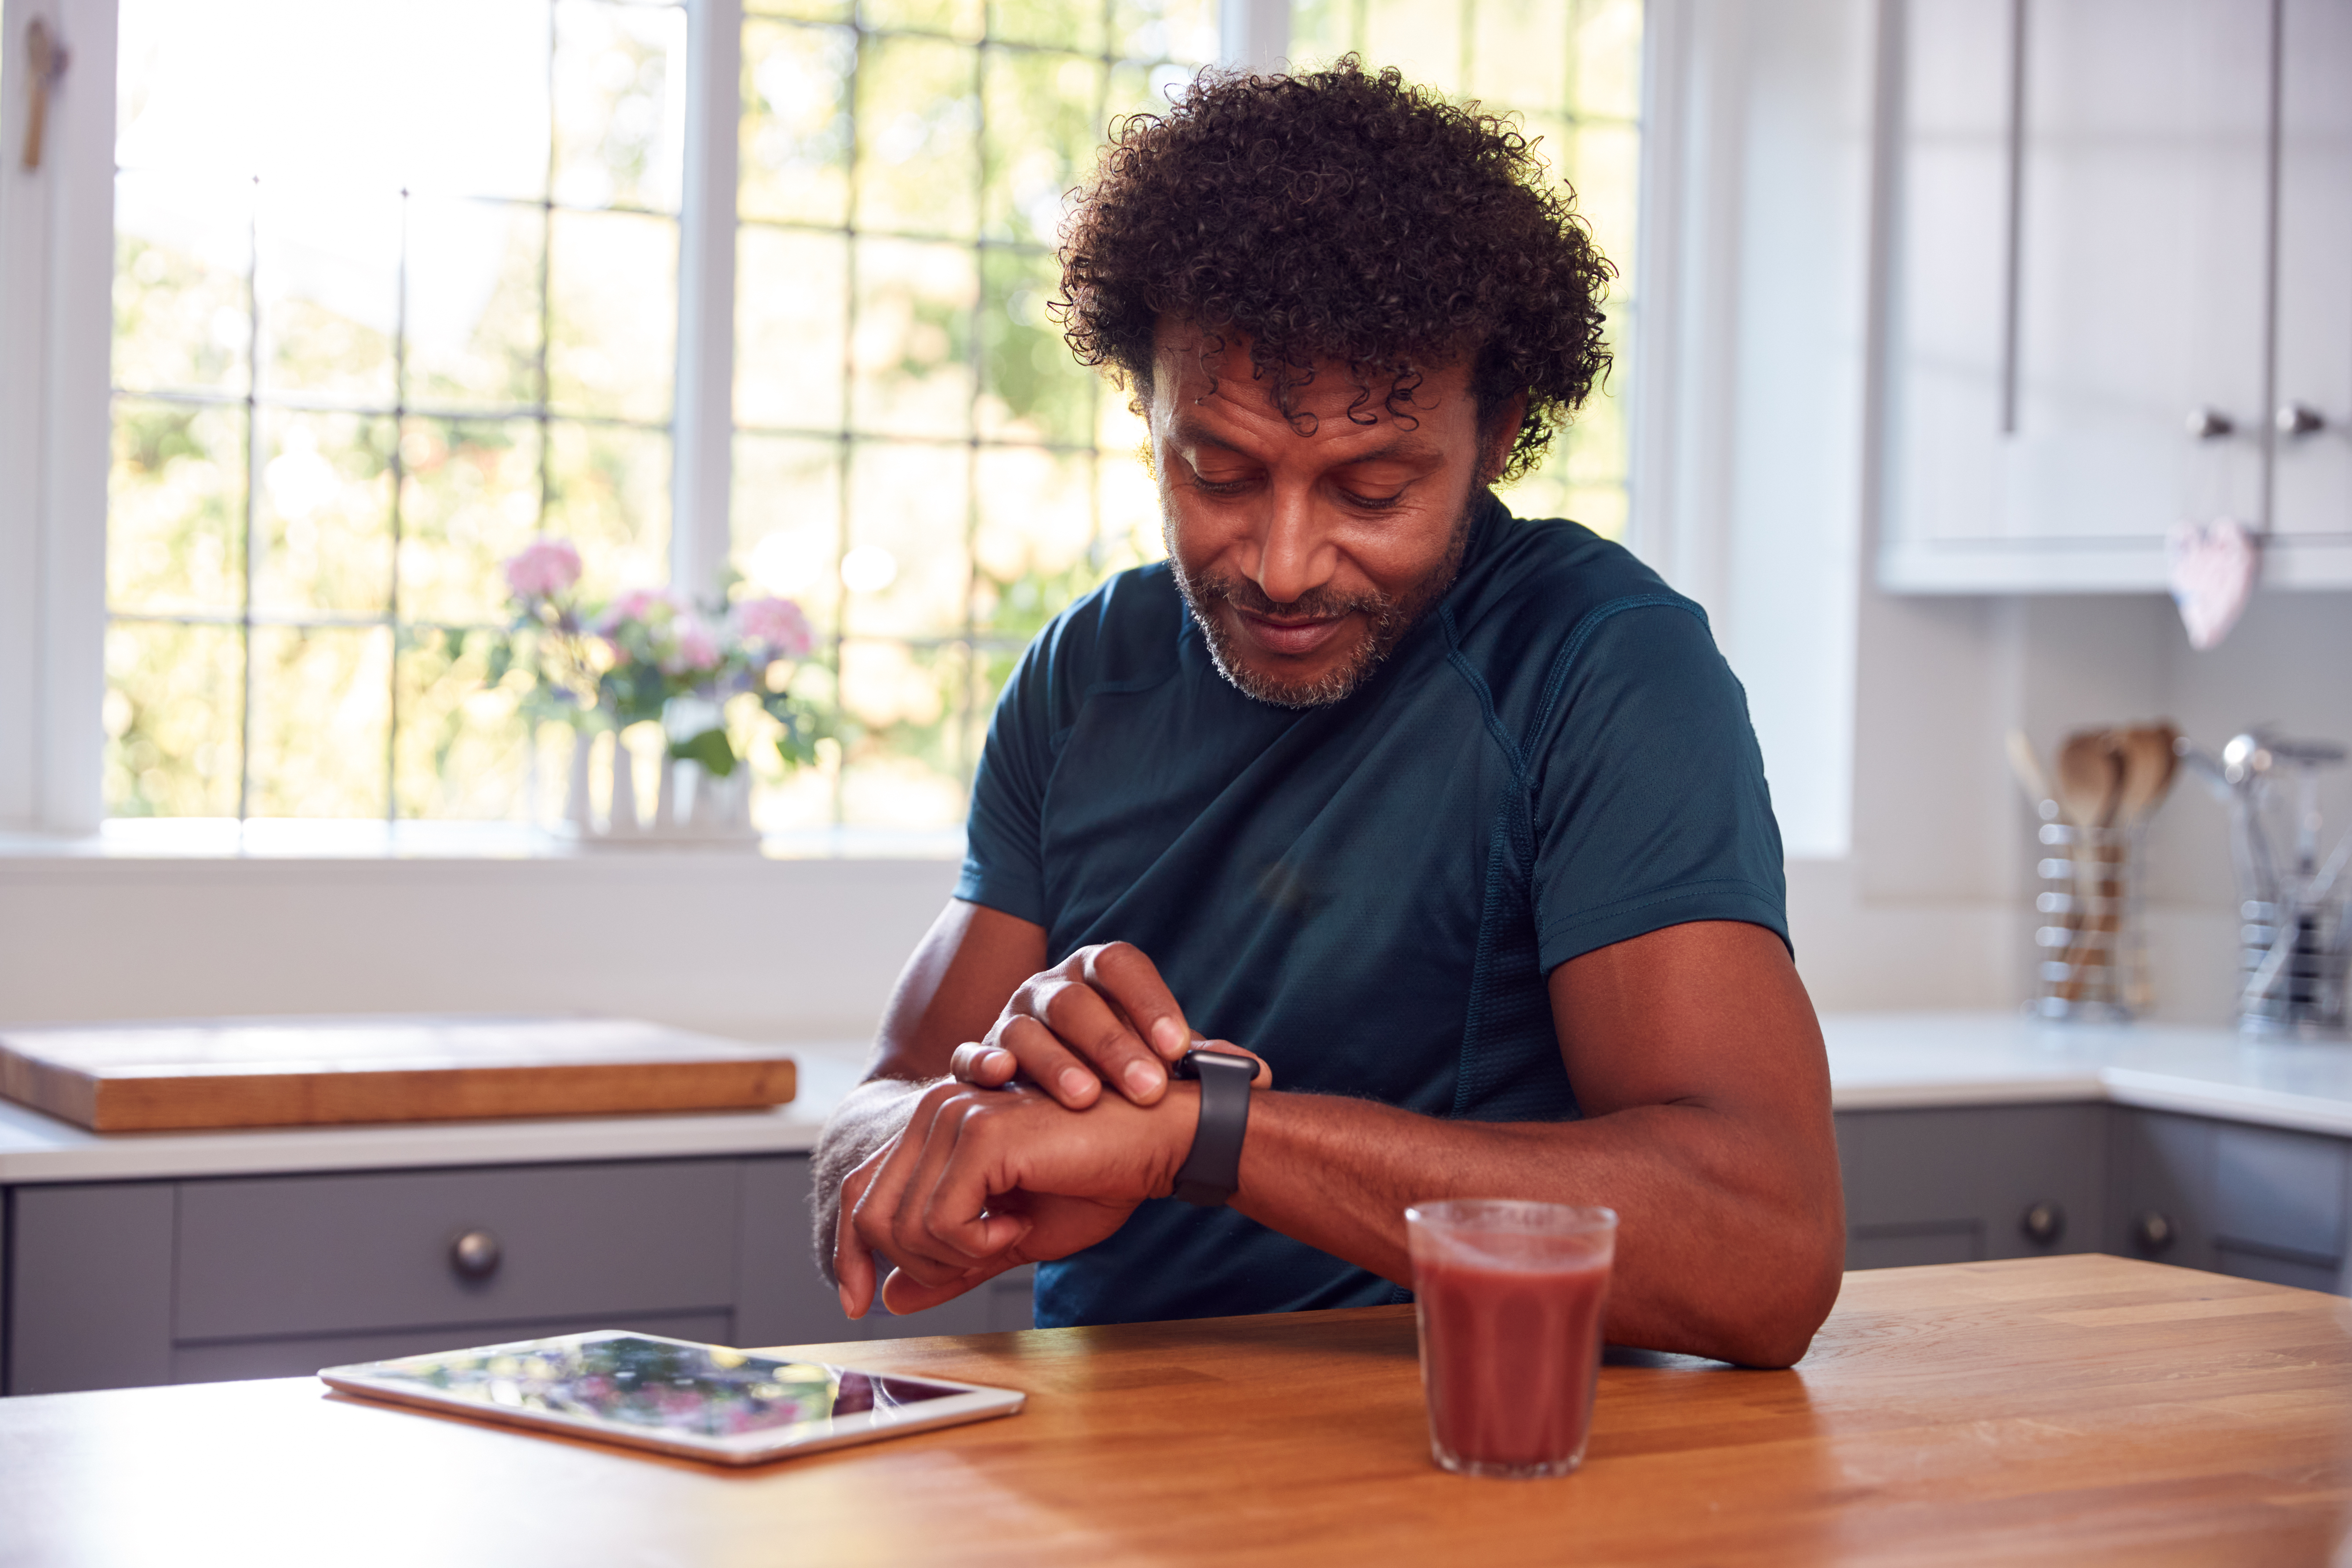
(304, 1072)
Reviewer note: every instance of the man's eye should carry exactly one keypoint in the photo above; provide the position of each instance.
(1218, 486)
(1372, 503)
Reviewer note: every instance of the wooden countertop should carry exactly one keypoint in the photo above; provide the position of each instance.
(2063, 1409)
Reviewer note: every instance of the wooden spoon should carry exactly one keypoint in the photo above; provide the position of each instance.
(2149, 761)
(2090, 786)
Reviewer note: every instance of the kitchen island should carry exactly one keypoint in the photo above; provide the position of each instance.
(2055, 1410)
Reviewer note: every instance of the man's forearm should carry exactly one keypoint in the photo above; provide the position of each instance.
(1725, 1248)
(868, 1117)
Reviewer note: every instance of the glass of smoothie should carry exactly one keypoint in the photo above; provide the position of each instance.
(1510, 1296)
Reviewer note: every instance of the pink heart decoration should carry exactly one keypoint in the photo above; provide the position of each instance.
(2213, 568)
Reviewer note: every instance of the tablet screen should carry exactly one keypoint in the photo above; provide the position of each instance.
(655, 1384)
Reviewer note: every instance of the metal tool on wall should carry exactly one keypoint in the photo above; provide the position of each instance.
(2092, 946)
(2295, 907)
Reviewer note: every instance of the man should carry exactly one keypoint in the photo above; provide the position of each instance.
(1454, 821)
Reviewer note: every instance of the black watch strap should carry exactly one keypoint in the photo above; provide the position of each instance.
(1212, 1170)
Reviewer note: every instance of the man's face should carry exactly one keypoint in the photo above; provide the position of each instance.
(1305, 558)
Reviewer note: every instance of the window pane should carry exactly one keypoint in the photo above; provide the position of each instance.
(321, 721)
(464, 749)
(957, 18)
(327, 274)
(608, 492)
(474, 314)
(619, 112)
(176, 509)
(1043, 128)
(1143, 90)
(791, 287)
(1034, 550)
(1420, 38)
(907, 573)
(812, 10)
(323, 517)
(787, 522)
(1607, 71)
(172, 699)
(1606, 173)
(613, 314)
(1165, 29)
(1127, 498)
(918, 162)
(1031, 389)
(1519, 54)
(182, 319)
(363, 95)
(795, 162)
(907, 769)
(1049, 24)
(911, 349)
(468, 499)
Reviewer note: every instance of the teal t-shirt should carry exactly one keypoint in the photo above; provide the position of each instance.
(1371, 894)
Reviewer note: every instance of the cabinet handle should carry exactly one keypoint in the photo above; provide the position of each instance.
(2042, 1223)
(2300, 419)
(2210, 424)
(474, 1255)
(2154, 1231)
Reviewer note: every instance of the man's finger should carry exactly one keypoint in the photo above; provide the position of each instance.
(988, 1066)
(1041, 1058)
(1121, 970)
(853, 1265)
(903, 1294)
(1086, 1023)
(916, 1243)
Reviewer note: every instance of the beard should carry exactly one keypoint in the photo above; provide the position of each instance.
(1387, 618)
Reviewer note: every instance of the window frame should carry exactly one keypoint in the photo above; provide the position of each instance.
(55, 413)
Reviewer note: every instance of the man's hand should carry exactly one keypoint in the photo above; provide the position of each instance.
(982, 1180)
(1101, 1016)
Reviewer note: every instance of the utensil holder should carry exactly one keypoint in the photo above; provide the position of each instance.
(2091, 945)
(2296, 987)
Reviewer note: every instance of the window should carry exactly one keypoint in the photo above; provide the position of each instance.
(356, 368)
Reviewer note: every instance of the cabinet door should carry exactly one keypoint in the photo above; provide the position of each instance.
(1957, 1186)
(2311, 502)
(2081, 268)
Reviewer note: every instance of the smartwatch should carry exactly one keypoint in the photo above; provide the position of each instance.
(1212, 1170)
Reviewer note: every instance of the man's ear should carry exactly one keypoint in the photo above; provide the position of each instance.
(1497, 439)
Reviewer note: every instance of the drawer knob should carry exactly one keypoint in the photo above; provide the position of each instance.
(2042, 1223)
(474, 1255)
(2210, 424)
(2154, 1231)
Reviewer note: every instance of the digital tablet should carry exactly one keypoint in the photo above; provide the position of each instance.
(705, 1402)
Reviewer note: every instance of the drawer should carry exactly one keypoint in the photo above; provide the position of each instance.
(347, 1254)
(2282, 1191)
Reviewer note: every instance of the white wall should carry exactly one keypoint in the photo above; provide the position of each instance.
(762, 950)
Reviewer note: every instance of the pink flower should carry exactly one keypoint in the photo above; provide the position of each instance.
(546, 568)
(638, 605)
(778, 623)
(698, 646)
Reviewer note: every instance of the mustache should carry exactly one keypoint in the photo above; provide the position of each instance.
(1318, 604)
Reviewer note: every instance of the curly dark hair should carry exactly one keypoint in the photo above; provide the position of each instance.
(1346, 215)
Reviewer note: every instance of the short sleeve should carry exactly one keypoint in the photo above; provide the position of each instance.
(1003, 860)
(1649, 805)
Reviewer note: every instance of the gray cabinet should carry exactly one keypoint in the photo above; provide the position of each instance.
(1950, 1185)
(1960, 1184)
(127, 1283)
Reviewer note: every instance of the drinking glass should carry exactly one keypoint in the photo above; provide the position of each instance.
(1510, 1296)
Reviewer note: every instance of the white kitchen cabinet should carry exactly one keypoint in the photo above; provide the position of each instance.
(2099, 297)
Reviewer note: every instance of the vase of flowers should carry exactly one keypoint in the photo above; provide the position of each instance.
(687, 678)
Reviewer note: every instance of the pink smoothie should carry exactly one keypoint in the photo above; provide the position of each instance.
(1509, 1355)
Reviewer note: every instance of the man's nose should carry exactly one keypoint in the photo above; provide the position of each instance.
(1293, 557)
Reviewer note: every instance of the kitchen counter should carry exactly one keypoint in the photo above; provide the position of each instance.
(38, 1147)
(2046, 1410)
(1877, 1061)
(1882, 1061)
